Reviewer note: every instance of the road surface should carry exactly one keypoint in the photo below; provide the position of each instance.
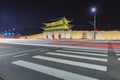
(30, 62)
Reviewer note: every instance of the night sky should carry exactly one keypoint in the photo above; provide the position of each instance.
(27, 15)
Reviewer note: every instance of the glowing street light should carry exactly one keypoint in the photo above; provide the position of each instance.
(94, 11)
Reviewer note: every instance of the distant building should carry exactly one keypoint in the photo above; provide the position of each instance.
(57, 29)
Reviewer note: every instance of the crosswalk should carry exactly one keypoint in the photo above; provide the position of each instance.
(95, 62)
(118, 54)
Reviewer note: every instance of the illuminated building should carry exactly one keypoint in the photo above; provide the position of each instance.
(57, 29)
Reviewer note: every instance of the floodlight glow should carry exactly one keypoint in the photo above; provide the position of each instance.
(93, 9)
(13, 34)
(9, 34)
(5, 33)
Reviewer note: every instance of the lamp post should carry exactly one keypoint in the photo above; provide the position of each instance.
(94, 11)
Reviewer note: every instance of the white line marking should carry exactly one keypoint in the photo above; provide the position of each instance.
(75, 63)
(21, 55)
(105, 55)
(76, 56)
(52, 71)
(43, 50)
(117, 49)
(118, 54)
(18, 52)
(87, 48)
(119, 59)
(100, 51)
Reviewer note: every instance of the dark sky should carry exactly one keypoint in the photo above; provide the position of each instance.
(27, 15)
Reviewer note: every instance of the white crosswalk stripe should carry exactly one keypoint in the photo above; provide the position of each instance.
(117, 51)
(76, 56)
(94, 54)
(90, 50)
(119, 59)
(52, 71)
(64, 53)
(118, 55)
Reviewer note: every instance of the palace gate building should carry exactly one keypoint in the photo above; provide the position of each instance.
(57, 29)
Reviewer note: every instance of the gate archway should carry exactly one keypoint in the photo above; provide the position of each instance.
(53, 36)
(59, 36)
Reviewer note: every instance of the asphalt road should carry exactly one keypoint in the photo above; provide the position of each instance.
(27, 62)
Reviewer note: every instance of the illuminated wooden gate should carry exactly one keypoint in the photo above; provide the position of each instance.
(57, 29)
(59, 36)
(53, 36)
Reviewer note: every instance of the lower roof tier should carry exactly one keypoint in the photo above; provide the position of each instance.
(58, 27)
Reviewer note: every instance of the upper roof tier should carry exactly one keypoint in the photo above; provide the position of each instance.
(56, 22)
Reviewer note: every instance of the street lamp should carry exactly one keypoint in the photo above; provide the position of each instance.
(94, 11)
